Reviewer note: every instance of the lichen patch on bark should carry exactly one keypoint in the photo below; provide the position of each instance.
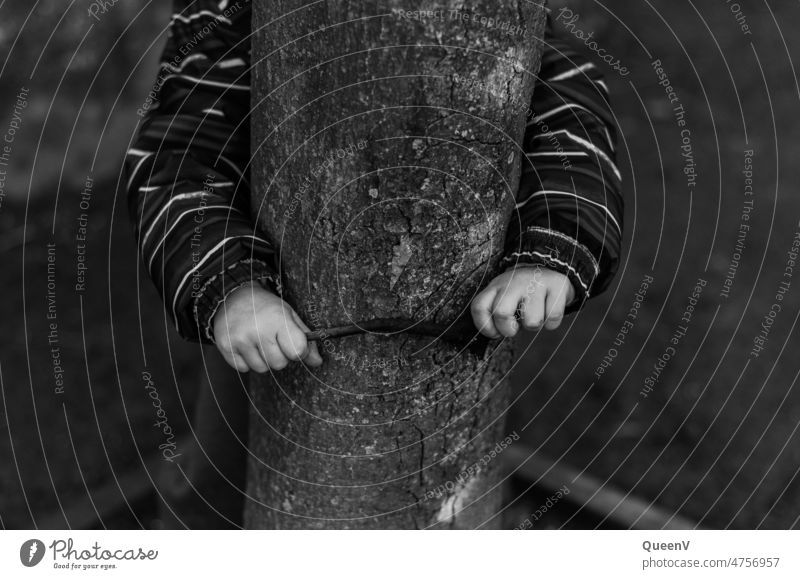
(402, 255)
(460, 498)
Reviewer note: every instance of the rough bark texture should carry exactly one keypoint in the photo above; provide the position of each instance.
(387, 180)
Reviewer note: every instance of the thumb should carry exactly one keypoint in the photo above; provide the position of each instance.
(312, 358)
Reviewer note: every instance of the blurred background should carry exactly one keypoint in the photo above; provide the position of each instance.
(704, 426)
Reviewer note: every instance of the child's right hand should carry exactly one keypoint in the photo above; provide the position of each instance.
(256, 330)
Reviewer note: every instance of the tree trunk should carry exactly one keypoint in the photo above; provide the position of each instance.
(386, 174)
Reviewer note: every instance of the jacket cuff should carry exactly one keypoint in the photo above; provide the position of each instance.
(215, 290)
(559, 252)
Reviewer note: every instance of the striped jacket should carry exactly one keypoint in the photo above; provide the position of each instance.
(187, 178)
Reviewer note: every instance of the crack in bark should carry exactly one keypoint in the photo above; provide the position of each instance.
(421, 455)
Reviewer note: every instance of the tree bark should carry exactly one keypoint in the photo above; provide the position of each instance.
(386, 175)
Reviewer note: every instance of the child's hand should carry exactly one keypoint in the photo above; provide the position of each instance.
(256, 330)
(539, 293)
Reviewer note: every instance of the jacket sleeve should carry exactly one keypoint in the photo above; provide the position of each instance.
(569, 207)
(186, 173)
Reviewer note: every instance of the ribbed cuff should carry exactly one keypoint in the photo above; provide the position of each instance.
(218, 287)
(559, 252)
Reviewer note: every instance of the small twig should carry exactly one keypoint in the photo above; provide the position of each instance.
(459, 331)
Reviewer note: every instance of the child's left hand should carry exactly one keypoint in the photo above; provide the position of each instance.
(540, 294)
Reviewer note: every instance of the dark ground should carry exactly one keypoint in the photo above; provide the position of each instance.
(716, 437)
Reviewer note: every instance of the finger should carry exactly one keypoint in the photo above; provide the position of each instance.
(227, 351)
(533, 308)
(292, 341)
(239, 363)
(555, 303)
(299, 321)
(274, 357)
(481, 310)
(312, 357)
(252, 357)
(504, 312)
(234, 360)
